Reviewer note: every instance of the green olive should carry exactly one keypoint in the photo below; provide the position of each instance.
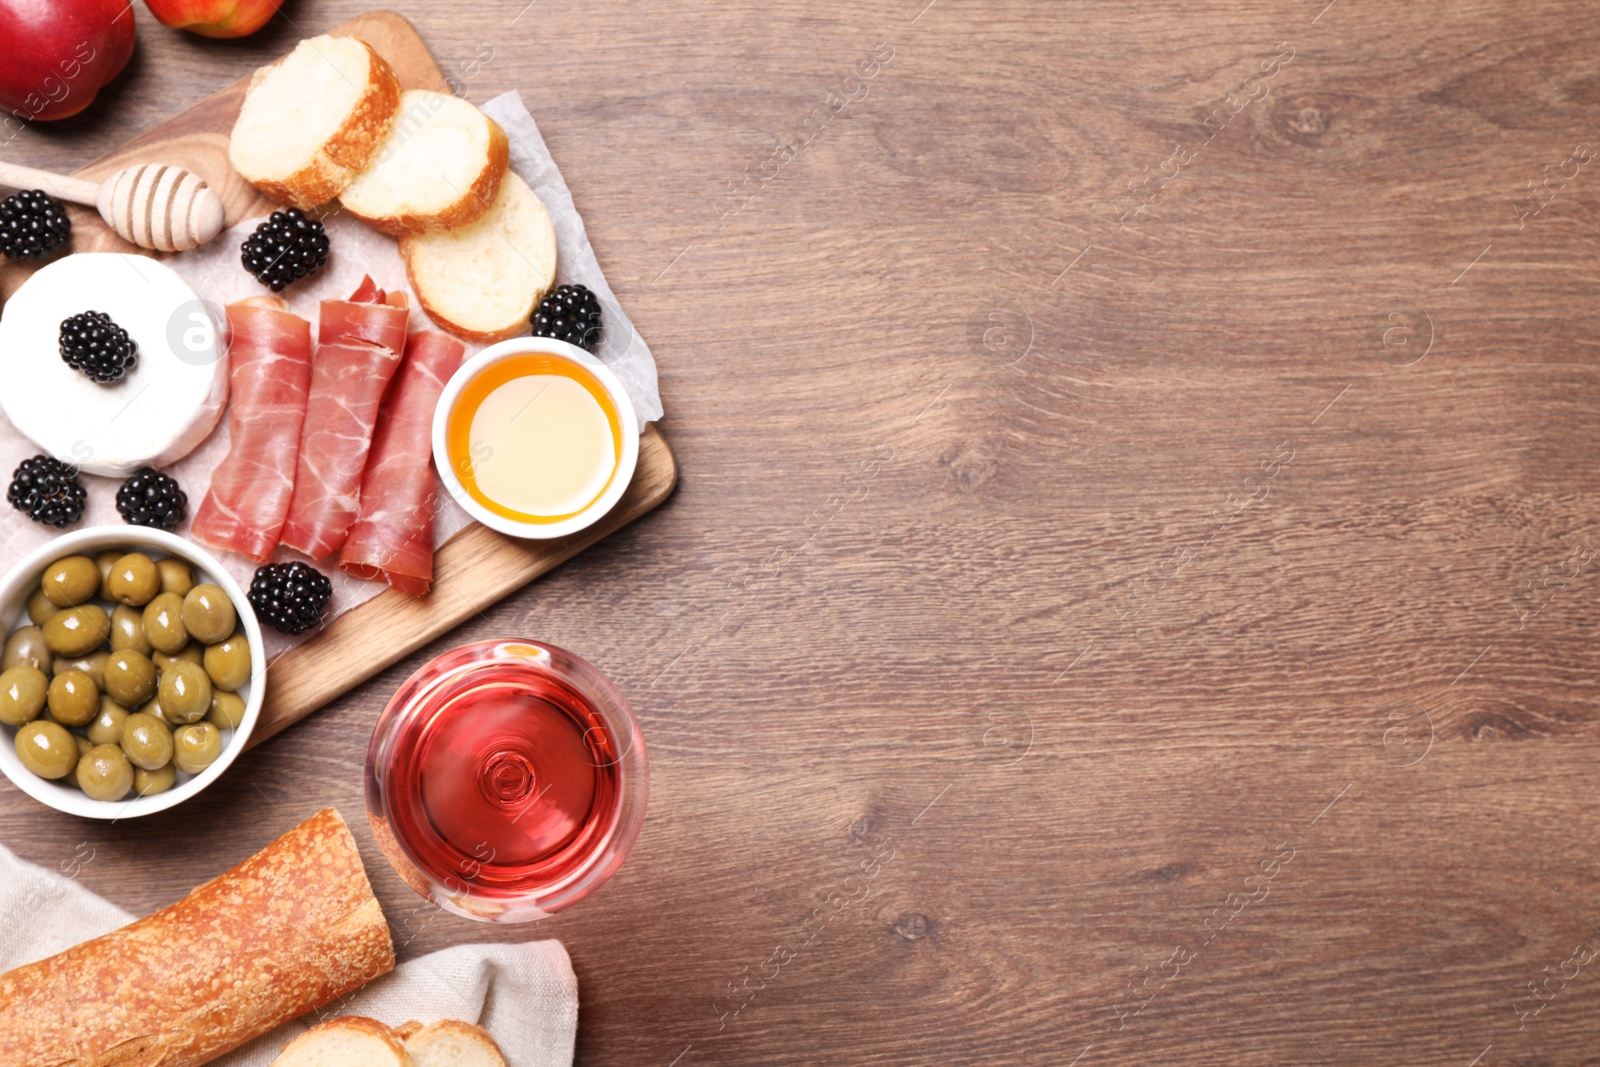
(185, 693)
(22, 694)
(148, 783)
(40, 608)
(127, 630)
(163, 623)
(227, 709)
(190, 653)
(196, 747)
(26, 645)
(130, 678)
(103, 563)
(228, 663)
(73, 698)
(134, 579)
(77, 631)
(176, 577)
(106, 727)
(153, 708)
(94, 665)
(83, 746)
(104, 773)
(208, 614)
(147, 741)
(71, 581)
(47, 749)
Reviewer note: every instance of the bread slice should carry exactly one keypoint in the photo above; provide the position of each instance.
(439, 168)
(314, 120)
(346, 1041)
(449, 1043)
(482, 281)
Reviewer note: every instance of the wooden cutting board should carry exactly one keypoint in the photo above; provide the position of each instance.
(476, 567)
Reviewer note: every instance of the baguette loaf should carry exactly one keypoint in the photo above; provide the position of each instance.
(439, 168)
(291, 928)
(313, 121)
(482, 281)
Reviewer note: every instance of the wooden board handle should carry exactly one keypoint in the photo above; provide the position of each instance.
(60, 186)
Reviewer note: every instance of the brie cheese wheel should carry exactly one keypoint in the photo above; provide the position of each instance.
(160, 410)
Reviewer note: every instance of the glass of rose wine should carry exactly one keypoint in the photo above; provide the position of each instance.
(506, 780)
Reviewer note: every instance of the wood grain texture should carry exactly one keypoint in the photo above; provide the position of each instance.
(965, 570)
(478, 566)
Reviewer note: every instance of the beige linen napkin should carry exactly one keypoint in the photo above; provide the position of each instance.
(525, 995)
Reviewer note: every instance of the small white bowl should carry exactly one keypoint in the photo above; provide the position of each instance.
(20, 583)
(626, 417)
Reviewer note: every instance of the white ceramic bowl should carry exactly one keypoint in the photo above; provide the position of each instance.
(20, 583)
(626, 416)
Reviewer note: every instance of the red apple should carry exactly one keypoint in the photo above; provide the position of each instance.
(58, 54)
(214, 18)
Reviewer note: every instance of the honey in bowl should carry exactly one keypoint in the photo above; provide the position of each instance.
(534, 438)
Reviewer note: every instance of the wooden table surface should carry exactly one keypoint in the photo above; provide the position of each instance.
(1131, 593)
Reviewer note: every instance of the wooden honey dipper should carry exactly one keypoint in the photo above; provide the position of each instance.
(154, 205)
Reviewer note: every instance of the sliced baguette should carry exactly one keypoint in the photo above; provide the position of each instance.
(449, 1043)
(482, 281)
(439, 168)
(346, 1041)
(313, 121)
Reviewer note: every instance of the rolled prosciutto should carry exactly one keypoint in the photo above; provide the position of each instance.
(393, 537)
(359, 343)
(269, 372)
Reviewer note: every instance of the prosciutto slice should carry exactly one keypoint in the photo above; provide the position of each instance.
(269, 370)
(359, 342)
(393, 537)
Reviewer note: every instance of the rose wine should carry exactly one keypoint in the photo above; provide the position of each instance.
(499, 776)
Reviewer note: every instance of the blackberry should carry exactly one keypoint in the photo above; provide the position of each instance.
(48, 491)
(290, 597)
(284, 249)
(150, 498)
(93, 344)
(572, 314)
(32, 225)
